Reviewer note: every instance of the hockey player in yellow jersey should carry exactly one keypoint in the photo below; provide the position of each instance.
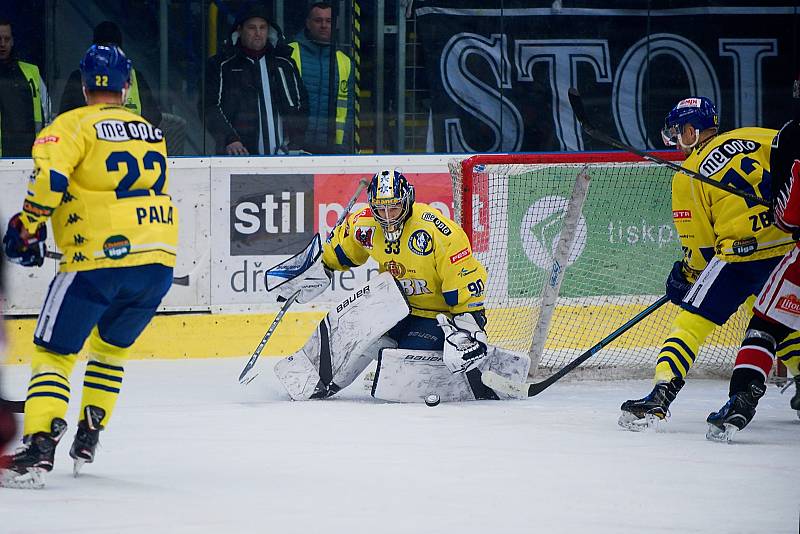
(100, 176)
(423, 318)
(729, 245)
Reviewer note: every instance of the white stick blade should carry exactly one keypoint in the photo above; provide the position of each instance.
(499, 383)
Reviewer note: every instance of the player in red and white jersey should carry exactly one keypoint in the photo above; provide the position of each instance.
(777, 308)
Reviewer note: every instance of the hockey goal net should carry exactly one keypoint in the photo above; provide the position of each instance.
(623, 244)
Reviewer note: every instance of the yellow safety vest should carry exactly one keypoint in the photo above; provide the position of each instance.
(132, 102)
(344, 66)
(31, 74)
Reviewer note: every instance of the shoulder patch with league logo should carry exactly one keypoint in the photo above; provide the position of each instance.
(420, 243)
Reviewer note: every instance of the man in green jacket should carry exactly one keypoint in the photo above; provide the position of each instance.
(311, 52)
(24, 102)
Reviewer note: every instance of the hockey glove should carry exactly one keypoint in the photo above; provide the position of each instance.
(677, 284)
(465, 342)
(28, 251)
(311, 284)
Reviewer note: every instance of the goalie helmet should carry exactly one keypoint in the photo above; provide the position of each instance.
(391, 199)
(105, 68)
(700, 112)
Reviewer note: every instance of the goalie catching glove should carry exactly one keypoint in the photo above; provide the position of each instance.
(465, 341)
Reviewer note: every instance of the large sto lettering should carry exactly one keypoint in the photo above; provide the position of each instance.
(488, 103)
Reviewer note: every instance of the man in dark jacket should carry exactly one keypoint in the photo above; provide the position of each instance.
(311, 52)
(139, 98)
(255, 102)
(24, 103)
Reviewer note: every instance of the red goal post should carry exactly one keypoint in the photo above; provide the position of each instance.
(512, 207)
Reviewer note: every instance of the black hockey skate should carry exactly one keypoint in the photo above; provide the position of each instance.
(794, 402)
(25, 469)
(641, 414)
(736, 414)
(86, 438)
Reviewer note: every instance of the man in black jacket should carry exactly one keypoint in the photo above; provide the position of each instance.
(24, 103)
(255, 101)
(139, 98)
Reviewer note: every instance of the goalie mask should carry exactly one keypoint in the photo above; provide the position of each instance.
(391, 199)
(700, 112)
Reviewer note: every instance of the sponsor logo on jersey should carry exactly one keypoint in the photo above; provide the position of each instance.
(414, 286)
(437, 222)
(78, 257)
(681, 214)
(745, 247)
(36, 210)
(395, 268)
(789, 304)
(364, 235)
(460, 255)
(46, 139)
(73, 218)
(117, 247)
(79, 240)
(464, 272)
(366, 212)
(352, 298)
(420, 243)
(118, 131)
(718, 158)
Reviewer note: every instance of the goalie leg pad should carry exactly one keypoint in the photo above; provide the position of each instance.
(405, 375)
(345, 341)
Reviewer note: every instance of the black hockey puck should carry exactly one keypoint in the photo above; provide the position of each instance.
(432, 399)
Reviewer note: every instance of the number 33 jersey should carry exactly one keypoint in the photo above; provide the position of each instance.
(101, 173)
(432, 260)
(712, 222)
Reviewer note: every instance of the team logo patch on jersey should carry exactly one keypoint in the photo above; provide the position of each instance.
(117, 247)
(460, 255)
(420, 243)
(46, 139)
(437, 222)
(681, 214)
(118, 131)
(745, 247)
(789, 304)
(364, 235)
(395, 268)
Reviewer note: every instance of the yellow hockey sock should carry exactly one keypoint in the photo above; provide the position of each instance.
(103, 378)
(680, 349)
(48, 389)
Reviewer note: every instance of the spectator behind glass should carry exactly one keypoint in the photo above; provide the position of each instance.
(24, 103)
(311, 51)
(255, 101)
(139, 100)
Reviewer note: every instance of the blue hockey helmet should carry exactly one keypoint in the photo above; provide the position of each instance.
(105, 68)
(391, 199)
(700, 112)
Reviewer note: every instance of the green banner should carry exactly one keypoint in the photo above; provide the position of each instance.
(625, 242)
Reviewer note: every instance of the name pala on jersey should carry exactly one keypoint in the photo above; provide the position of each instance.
(155, 214)
(117, 131)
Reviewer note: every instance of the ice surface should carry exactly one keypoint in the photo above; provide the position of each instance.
(191, 451)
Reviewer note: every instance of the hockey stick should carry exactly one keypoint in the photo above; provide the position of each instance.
(529, 389)
(576, 102)
(243, 378)
(184, 280)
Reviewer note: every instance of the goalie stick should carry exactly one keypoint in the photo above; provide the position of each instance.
(523, 390)
(243, 376)
(576, 102)
(184, 280)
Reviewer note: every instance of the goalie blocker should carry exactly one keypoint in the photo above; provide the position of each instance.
(360, 329)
